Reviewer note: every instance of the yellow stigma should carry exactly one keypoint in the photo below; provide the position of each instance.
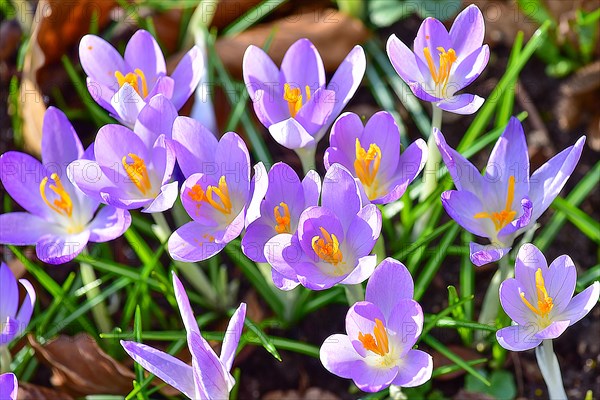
(132, 78)
(294, 98)
(544, 302)
(378, 344)
(327, 247)
(222, 202)
(366, 166)
(447, 58)
(506, 216)
(283, 221)
(137, 172)
(63, 205)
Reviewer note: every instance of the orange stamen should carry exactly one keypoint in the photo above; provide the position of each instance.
(63, 204)
(506, 216)
(138, 173)
(378, 344)
(283, 221)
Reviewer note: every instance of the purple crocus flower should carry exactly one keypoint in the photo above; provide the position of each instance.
(208, 377)
(279, 206)
(381, 331)
(333, 241)
(132, 169)
(505, 201)
(9, 387)
(215, 193)
(373, 153)
(59, 219)
(123, 85)
(13, 319)
(539, 299)
(294, 102)
(444, 62)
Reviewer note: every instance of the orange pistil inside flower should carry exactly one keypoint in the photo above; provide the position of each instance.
(138, 173)
(222, 202)
(366, 166)
(544, 302)
(294, 98)
(506, 216)
(283, 221)
(441, 76)
(133, 78)
(63, 205)
(327, 247)
(378, 342)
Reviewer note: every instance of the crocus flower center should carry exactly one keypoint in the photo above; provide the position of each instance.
(366, 166)
(440, 76)
(544, 302)
(216, 196)
(294, 98)
(283, 221)
(138, 173)
(134, 79)
(377, 342)
(62, 205)
(506, 216)
(327, 247)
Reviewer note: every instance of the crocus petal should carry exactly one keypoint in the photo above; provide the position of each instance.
(232, 336)
(268, 110)
(8, 386)
(581, 304)
(164, 200)
(87, 176)
(467, 31)
(529, 259)
(100, 60)
(518, 337)
(381, 129)
(312, 188)
(260, 72)
(548, 180)
(311, 221)
(464, 104)
(481, 255)
(339, 357)
(21, 175)
(143, 52)
(316, 112)
(195, 145)
(554, 330)
(255, 239)
(302, 65)
(191, 243)
(373, 379)
(183, 303)
(283, 282)
(164, 86)
(360, 319)
(415, 370)
(187, 75)
(10, 293)
(560, 279)
(520, 222)
(403, 60)
(127, 104)
(12, 229)
(432, 34)
(390, 276)
(258, 189)
(109, 224)
(10, 328)
(462, 206)
(168, 368)
(314, 278)
(406, 321)
(468, 70)
(60, 143)
(365, 230)
(363, 270)
(214, 378)
(513, 305)
(463, 172)
(154, 119)
(289, 133)
(340, 194)
(55, 249)
(283, 252)
(102, 94)
(342, 140)
(26, 310)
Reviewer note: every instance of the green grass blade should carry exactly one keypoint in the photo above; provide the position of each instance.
(586, 224)
(252, 16)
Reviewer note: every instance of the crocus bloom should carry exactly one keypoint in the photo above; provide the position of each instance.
(505, 201)
(444, 63)
(372, 152)
(132, 169)
(215, 193)
(59, 219)
(123, 85)
(539, 299)
(333, 241)
(381, 332)
(278, 211)
(8, 386)
(294, 102)
(13, 319)
(208, 377)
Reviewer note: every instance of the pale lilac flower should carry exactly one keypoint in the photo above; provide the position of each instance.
(132, 169)
(333, 241)
(506, 201)
(59, 219)
(215, 193)
(372, 153)
(443, 62)
(294, 102)
(9, 387)
(13, 319)
(209, 375)
(123, 85)
(539, 300)
(377, 350)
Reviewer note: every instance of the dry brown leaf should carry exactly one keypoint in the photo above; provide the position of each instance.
(312, 393)
(28, 391)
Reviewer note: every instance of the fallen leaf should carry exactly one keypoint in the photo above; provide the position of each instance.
(28, 391)
(312, 393)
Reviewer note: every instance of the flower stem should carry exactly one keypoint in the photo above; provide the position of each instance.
(354, 293)
(99, 310)
(5, 359)
(550, 369)
(307, 157)
(491, 301)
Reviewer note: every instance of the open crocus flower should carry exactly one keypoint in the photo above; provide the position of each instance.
(13, 319)
(215, 193)
(539, 299)
(208, 377)
(132, 169)
(505, 201)
(9, 386)
(293, 102)
(381, 332)
(372, 152)
(123, 85)
(279, 209)
(444, 63)
(59, 219)
(333, 241)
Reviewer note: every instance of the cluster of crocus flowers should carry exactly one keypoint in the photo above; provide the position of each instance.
(13, 319)
(377, 350)
(442, 63)
(294, 102)
(372, 153)
(505, 201)
(9, 386)
(209, 375)
(333, 241)
(59, 219)
(123, 85)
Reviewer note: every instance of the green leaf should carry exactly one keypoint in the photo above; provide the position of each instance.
(252, 16)
(502, 385)
(508, 99)
(384, 13)
(586, 224)
(257, 334)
